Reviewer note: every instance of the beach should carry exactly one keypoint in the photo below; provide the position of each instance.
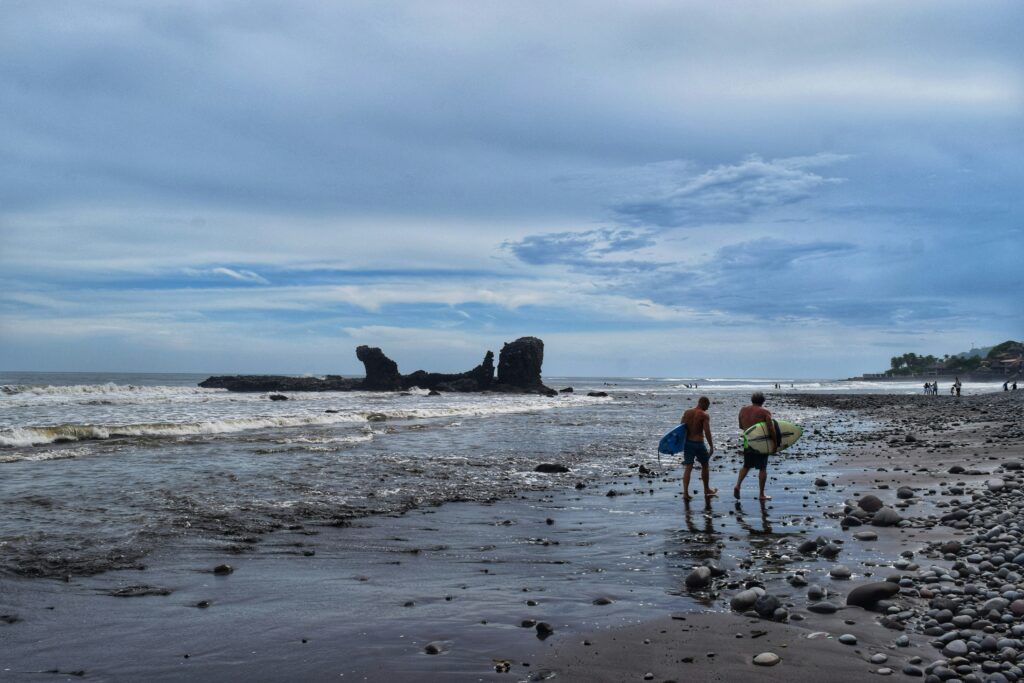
(583, 575)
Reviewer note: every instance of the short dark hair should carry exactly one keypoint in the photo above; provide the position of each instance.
(757, 398)
(704, 401)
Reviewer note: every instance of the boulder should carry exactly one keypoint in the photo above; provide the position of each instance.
(869, 594)
(744, 600)
(551, 468)
(886, 517)
(766, 605)
(700, 577)
(870, 503)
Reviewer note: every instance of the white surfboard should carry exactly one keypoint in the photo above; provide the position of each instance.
(759, 439)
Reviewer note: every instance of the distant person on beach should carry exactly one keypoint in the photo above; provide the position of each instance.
(750, 416)
(1015, 385)
(927, 387)
(1006, 385)
(698, 428)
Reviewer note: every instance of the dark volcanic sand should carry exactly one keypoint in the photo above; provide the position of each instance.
(322, 603)
(981, 434)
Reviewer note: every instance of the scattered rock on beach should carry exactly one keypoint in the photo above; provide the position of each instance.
(597, 394)
(699, 578)
(766, 605)
(435, 648)
(223, 569)
(767, 659)
(886, 517)
(823, 607)
(848, 639)
(278, 397)
(551, 468)
(869, 594)
(870, 503)
(744, 600)
(840, 571)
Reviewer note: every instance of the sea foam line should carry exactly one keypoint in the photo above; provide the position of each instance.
(38, 435)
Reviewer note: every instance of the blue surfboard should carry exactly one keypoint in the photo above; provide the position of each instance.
(673, 442)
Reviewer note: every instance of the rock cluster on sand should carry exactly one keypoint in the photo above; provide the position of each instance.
(519, 371)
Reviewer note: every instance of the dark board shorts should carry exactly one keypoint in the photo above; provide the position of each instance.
(695, 449)
(753, 460)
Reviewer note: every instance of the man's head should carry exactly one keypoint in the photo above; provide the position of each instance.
(757, 398)
(704, 403)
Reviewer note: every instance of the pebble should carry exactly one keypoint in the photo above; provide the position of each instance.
(699, 578)
(848, 639)
(840, 571)
(767, 659)
(870, 503)
(823, 607)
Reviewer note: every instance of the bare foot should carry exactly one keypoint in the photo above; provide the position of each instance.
(710, 492)
(687, 497)
(765, 498)
(736, 492)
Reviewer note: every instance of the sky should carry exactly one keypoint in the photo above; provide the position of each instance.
(684, 189)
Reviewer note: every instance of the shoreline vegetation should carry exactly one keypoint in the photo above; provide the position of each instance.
(998, 363)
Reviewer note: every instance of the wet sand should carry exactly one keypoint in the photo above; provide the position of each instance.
(918, 440)
(471, 581)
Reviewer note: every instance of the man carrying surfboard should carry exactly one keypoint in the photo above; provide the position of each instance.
(698, 427)
(750, 416)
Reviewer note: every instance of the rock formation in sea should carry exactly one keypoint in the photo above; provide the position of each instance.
(519, 371)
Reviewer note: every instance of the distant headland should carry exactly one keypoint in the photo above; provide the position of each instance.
(999, 362)
(519, 367)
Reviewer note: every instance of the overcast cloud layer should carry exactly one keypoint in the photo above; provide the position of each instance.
(654, 188)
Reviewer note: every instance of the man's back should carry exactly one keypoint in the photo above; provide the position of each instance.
(694, 419)
(752, 414)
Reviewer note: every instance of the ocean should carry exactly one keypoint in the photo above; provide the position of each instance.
(99, 471)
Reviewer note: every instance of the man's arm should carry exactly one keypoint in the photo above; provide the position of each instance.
(707, 434)
(771, 426)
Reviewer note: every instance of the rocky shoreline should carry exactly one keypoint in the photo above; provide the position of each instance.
(936, 494)
(518, 372)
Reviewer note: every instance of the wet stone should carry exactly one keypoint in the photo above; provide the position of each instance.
(840, 572)
(767, 659)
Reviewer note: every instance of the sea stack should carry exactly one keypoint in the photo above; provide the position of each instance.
(519, 371)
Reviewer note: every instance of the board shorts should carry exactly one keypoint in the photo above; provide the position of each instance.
(753, 460)
(695, 449)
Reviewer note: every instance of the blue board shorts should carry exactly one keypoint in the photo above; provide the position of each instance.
(695, 449)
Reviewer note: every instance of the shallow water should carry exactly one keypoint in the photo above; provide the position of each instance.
(98, 471)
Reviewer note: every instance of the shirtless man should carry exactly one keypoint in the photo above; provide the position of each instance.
(698, 427)
(750, 416)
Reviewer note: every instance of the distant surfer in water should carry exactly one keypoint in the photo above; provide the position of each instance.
(698, 427)
(750, 416)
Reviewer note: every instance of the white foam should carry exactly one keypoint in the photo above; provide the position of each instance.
(35, 436)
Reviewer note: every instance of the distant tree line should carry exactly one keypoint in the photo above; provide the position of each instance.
(913, 364)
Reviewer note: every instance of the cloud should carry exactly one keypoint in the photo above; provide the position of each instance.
(590, 250)
(241, 275)
(733, 193)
